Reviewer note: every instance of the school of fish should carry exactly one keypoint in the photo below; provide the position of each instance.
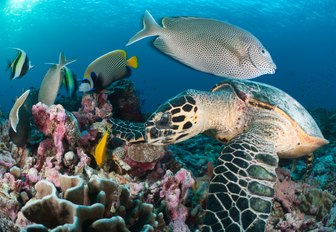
(207, 45)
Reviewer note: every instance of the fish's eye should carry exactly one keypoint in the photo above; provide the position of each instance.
(263, 51)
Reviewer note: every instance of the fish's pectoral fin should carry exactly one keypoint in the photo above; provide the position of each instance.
(133, 62)
(241, 189)
(150, 28)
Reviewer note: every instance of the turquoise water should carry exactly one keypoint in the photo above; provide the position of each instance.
(300, 37)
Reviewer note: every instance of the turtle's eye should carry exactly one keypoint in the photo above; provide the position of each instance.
(164, 120)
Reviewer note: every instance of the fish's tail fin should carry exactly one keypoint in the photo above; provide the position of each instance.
(151, 28)
(63, 61)
(133, 62)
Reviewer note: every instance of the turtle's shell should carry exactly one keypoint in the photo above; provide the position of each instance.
(263, 93)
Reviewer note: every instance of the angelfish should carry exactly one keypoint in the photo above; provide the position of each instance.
(52, 81)
(20, 65)
(209, 45)
(106, 69)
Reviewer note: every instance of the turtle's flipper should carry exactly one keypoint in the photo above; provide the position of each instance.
(129, 131)
(242, 186)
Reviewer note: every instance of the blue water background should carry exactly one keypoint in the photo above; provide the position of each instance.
(300, 35)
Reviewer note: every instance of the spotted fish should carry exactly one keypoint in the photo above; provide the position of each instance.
(209, 45)
(20, 65)
(104, 70)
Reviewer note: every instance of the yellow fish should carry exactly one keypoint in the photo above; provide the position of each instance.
(100, 150)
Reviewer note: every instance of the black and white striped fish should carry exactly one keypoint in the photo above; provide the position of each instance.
(20, 65)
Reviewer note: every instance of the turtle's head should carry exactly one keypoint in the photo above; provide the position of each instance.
(174, 121)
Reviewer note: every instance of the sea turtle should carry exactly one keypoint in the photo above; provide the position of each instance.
(258, 124)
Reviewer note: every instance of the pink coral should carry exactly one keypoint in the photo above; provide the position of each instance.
(174, 191)
(58, 123)
(94, 106)
(285, 190)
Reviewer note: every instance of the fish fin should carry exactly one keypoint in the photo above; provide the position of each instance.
(133, 62)
(18, 49)
(100, 150)
(309, 164)
(170, 22)
(150, 28)
(84, 87)
(31, 66)
(9, 64)
(162, 46)
(14, 113)
(49, 63)
(128, 72)
(123, 52)
(63, 61)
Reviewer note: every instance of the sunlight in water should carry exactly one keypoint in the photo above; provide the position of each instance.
(19, 7)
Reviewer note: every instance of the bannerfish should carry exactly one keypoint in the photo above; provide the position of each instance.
(19, 118)
(100, 150)
(52, 81)
(20, 65)
(69, 81)
(209, 45)
(14, 113)
(104, 70)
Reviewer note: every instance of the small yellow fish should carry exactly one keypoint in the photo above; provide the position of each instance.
(100, 150)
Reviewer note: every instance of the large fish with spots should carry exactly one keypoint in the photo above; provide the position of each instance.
(209, 45)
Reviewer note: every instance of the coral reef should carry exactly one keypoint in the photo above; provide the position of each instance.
(53, 184)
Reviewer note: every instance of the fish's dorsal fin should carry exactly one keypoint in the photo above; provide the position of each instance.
(19, 50)
(133, 62)
(63, 61)
(170, 22)
(119, 51)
